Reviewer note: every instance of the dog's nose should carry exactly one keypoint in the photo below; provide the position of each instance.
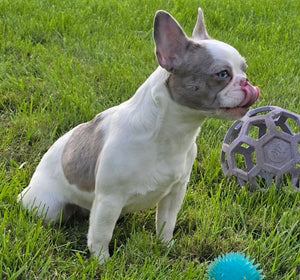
(244, 82)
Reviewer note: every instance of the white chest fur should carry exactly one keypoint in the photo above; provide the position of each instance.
(149, 146)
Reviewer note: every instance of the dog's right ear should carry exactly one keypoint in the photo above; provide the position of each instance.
(200, 32)
(171, 41)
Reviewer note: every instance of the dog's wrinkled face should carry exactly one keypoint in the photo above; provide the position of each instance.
(206, 75)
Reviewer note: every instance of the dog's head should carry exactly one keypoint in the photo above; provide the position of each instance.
(205, 74)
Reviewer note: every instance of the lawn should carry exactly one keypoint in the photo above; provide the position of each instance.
(62, 62)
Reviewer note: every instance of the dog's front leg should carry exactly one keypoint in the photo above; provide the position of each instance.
(104, 215)
(167, 210)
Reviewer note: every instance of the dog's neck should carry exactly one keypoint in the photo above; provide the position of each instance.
(155, 108)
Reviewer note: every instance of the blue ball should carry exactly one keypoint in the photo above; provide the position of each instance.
(234, 266)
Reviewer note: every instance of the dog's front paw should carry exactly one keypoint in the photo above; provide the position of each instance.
(170, 243)
(102, 257)
(98, 252)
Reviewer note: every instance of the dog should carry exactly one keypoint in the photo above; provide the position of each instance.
(140, 153)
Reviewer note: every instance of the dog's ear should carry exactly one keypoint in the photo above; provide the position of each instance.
(200, 32)
(171, 41)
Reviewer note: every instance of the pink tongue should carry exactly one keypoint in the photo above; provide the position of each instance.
(251, 95)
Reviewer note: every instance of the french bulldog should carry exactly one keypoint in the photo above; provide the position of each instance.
(140, 153)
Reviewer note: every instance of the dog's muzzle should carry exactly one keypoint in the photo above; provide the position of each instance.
(251, 94)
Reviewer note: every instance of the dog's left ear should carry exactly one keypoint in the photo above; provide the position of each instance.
(171, 41)
(200, 32)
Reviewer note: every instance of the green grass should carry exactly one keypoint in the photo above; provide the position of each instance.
(61, 62)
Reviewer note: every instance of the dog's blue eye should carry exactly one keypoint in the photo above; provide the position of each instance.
(223, 75)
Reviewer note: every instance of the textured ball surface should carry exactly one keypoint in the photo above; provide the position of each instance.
(264, 148)
(234, 266)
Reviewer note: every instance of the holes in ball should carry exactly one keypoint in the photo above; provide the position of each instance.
(245, 145)
(295, 177)
(290, 180)
(264, 179)
(286, 179)
(257, 129)
(294, 125)
(240, 162)
(287, 123)
(254, 160)
(244, 156)
(254, 132)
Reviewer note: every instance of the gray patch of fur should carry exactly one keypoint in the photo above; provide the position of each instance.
(81, 154)
(196, 85)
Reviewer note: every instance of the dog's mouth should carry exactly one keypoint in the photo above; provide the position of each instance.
(251, 95)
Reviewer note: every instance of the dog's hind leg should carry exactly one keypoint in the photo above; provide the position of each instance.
(42, 199)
